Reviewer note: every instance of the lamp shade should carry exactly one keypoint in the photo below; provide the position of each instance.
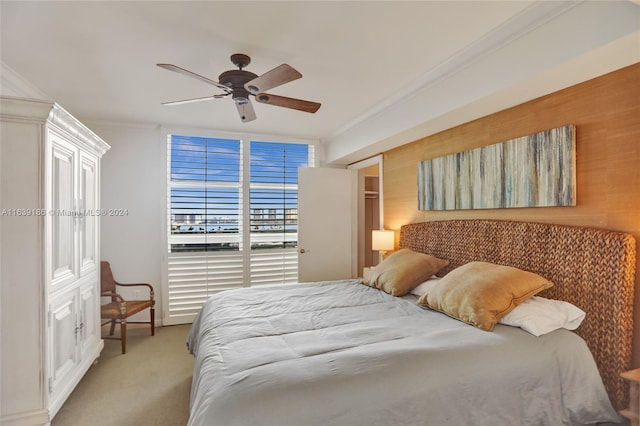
(382, 240)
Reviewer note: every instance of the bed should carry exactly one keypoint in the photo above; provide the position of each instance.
(344, 353)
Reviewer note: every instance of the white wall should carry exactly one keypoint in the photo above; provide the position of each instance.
(132, 178)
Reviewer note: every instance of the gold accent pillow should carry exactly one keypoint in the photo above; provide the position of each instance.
(481, 293)
(402, 271)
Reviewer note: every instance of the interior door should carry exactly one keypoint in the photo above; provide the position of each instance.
(326, 216)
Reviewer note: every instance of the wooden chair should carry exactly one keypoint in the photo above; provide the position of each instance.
(119, 309)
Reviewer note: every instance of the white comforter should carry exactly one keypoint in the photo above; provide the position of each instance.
(342, 353)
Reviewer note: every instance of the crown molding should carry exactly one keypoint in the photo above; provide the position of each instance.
(519, 25)
(51, 114)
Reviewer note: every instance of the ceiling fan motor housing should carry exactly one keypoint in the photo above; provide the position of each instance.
(236, 79)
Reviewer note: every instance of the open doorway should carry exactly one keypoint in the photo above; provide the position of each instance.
(369, 210)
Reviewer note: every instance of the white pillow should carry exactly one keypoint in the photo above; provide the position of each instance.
(539, 316)
(425, 286)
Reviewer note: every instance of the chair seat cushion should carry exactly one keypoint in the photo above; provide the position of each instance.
(112, 310)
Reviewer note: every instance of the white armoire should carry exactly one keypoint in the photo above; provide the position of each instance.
(49, 257)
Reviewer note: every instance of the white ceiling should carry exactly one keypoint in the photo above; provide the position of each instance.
(97, 59)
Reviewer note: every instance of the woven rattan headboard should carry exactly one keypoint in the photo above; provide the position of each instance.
(593, 269)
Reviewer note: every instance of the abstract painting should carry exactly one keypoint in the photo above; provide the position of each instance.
(537, 170)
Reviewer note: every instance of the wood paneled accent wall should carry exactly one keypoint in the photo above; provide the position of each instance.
(606, 113)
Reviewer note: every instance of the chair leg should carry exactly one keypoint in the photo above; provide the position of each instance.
(123, 335)
(153, 321)
(113, 327)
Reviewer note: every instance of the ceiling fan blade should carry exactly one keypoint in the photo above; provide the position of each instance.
(279, 75)
(188, 101)
(180, 70)
(246, 111)
(283, 101)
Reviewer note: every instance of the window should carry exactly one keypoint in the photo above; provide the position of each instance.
(205, 194)
(274, 193)
(232, 217)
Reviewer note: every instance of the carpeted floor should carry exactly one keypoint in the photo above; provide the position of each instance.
(148, 386)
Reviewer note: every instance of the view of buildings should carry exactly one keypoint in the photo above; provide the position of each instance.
(262, 220)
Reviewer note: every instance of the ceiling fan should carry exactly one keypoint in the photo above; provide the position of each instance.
(241, 84)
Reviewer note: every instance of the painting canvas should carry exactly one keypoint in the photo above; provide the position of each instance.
(531, 171)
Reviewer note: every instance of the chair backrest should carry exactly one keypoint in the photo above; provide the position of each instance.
(107, 283)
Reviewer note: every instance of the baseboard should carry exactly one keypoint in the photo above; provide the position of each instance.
(34, 417)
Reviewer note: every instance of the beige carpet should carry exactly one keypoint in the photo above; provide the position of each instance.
(147, 386)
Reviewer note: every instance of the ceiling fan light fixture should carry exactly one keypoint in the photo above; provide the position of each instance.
(240, 95)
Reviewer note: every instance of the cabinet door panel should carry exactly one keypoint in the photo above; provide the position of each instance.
(62, 211)
(89, 327)
(63, 357)
(88, 204)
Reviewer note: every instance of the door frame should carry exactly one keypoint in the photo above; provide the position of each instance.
(359, 215)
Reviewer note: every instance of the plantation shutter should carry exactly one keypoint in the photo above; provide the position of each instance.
(229, 227)
(274, 210)
(205, 220)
